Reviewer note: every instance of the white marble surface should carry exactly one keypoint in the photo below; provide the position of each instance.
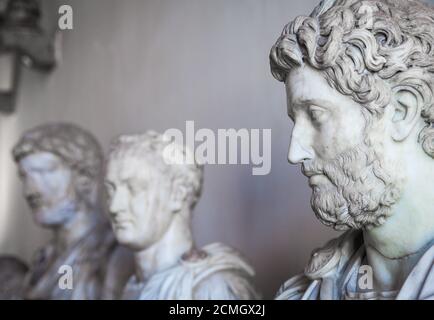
(60, 166)
(361, 100)
(151, 204)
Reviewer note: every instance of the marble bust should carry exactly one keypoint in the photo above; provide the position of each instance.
(359, 84)
(60, 166)
(150, 201)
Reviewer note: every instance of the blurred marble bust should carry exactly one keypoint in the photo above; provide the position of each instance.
(150, 201)
(60, 166)
(359, 83)
(12, 275)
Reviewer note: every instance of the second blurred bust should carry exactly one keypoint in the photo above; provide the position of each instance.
(150, 204)
(60, 166)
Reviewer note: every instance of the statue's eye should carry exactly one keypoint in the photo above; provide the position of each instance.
(134, 187)
(316, 113)
(109, 189)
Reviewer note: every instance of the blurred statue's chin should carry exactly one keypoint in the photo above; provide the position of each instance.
(55, 215)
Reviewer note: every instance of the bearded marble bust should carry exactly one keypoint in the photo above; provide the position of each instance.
(150, 200)
(60, 166)
(359, 78)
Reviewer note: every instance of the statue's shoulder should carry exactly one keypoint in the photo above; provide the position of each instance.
(215, 272)
(222, 273)
(333, 256)
(218, 257)
(294, 288)
(328, 260)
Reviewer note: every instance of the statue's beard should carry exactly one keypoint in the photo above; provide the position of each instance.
(359, 192)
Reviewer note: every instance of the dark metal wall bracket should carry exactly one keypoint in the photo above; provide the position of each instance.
(23, 41)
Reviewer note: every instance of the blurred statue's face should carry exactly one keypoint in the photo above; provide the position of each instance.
(351, 183)
(138, 202)
(48, 186)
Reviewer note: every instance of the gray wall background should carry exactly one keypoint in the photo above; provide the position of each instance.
(134, 65)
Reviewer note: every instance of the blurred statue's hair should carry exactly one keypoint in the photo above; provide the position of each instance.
(366, 50)
(156, 149)
(75, 146)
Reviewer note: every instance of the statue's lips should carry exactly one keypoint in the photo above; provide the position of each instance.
(314, 180)
(121, 223)
(309, 173)
(313, 177)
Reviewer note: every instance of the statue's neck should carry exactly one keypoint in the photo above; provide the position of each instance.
(390, 274)
(168, 251)
(394, 248)
(68, 234)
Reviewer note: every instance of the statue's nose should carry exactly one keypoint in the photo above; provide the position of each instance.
(118, 202)
(299, 151)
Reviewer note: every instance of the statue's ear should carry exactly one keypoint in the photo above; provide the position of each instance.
(405, 114)
(178, 195)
